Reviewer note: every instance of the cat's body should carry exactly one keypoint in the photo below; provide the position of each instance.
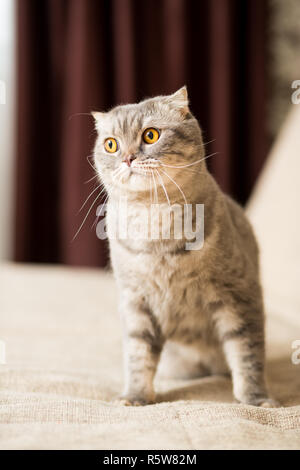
(208, 300)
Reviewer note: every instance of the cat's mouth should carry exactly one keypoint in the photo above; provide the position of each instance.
(144, 167)
(136, 172)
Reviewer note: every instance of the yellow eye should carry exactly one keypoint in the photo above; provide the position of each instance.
(111, 145)
(151, 135)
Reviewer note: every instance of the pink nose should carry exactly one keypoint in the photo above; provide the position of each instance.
(128, 159)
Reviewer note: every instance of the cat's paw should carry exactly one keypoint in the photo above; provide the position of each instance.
(133, 401)
(264, 402)
(268, 403)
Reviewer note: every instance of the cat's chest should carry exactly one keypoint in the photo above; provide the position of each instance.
(140, 223)
(172, 286)
(169, 283)
(178, 297)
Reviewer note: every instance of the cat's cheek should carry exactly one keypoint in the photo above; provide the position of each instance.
(124, 174)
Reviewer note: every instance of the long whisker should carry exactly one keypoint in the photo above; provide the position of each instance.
(100, 213)
(163, 186)
(118, 172)
(87, 199)
(119, 168)
(187, 169)
(209, 142)
(91, 165)
(79, 114)
(182, 193)
(155, 186)
(97, 197)
(150, 190)
(191, 164)
(91, 179)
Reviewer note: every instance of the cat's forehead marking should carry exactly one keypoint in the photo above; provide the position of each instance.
(127, 119)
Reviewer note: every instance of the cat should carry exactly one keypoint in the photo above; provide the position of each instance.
(207, 300)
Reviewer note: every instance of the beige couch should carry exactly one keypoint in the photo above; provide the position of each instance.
(63, 351)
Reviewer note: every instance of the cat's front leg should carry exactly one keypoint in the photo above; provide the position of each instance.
(142, 347)
(242, 338)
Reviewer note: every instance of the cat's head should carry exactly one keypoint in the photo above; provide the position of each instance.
(147, 143)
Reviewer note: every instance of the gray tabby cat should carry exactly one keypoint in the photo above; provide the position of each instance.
(208, 300)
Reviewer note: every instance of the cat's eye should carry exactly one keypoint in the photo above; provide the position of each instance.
(111, 145)
(151, 135)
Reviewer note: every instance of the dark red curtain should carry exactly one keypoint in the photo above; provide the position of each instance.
(75, 56)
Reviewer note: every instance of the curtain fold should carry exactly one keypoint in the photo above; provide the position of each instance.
(75, 56)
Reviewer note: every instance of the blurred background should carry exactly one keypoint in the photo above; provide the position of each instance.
(61, 59)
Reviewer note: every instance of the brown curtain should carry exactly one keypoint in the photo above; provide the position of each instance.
(75, 56)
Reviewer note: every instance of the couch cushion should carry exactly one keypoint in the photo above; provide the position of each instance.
(63, 372)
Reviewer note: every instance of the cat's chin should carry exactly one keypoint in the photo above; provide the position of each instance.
(136, 181)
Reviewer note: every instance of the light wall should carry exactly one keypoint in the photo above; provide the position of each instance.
(7, 118)
(283, 64)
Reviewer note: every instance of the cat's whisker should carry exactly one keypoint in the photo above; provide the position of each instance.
(150, 190)
(118, 172)
(79, 114)
(119, 177)
(171, 179)
(190, 164)
(189, 170)
(155, 186)
(88, 213)
(103, 190)
(88, 198)
(164, 188)
(91, 165)
(91, 179)
(100, 213)
(116, 177)
(106, 188)
(209, 142)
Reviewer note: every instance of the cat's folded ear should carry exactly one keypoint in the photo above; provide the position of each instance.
(180, 100)
(98, 116)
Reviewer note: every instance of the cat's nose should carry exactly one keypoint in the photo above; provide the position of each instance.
(128, 159)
